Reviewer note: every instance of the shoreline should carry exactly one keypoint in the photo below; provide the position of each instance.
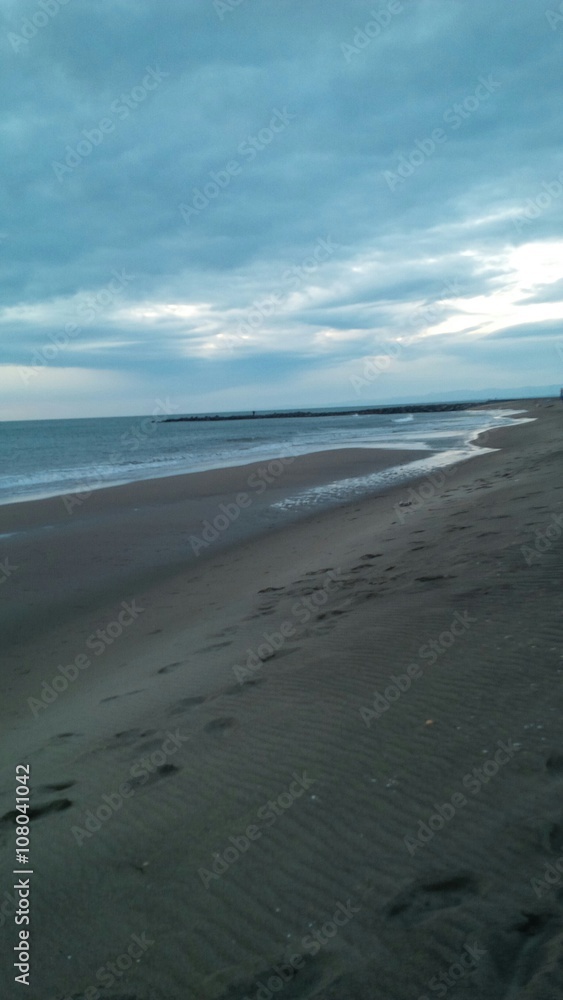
(273, 456)
(308, 468)
(182, 507)
(148, 528)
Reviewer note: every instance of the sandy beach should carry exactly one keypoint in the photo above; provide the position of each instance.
(316, 758)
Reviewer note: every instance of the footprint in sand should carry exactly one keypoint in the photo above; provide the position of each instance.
(169, 667)
(220, 726)
(61, 787)
(422, 898)
(366, 595)
(126, 737)
(215, 645)
(527, 955)
(432, 579)
(57, 805)
(237, 689)
(125, 694)
(186, 703)
(149, 778)
(277, 654)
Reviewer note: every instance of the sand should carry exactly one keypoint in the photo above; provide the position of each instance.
(340, 739)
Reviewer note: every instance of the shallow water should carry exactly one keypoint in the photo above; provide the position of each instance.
(52, 457)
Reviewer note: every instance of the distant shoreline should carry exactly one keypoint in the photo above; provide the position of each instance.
(377, 410)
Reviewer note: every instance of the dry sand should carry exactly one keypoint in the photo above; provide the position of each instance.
(281, 804)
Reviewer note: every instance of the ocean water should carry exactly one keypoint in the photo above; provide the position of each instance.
(53, 457)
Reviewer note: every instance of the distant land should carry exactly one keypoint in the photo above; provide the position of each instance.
(459, 399)
(494, 394)
(363, 411)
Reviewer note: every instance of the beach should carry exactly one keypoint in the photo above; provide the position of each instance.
(312, 756)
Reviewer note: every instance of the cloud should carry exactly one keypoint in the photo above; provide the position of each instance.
(273, 135)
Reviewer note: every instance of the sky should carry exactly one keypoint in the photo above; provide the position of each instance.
(217, 205)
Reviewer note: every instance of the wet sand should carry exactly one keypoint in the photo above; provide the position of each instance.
(321, 761)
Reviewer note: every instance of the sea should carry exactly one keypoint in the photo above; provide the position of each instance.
(42, 458)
